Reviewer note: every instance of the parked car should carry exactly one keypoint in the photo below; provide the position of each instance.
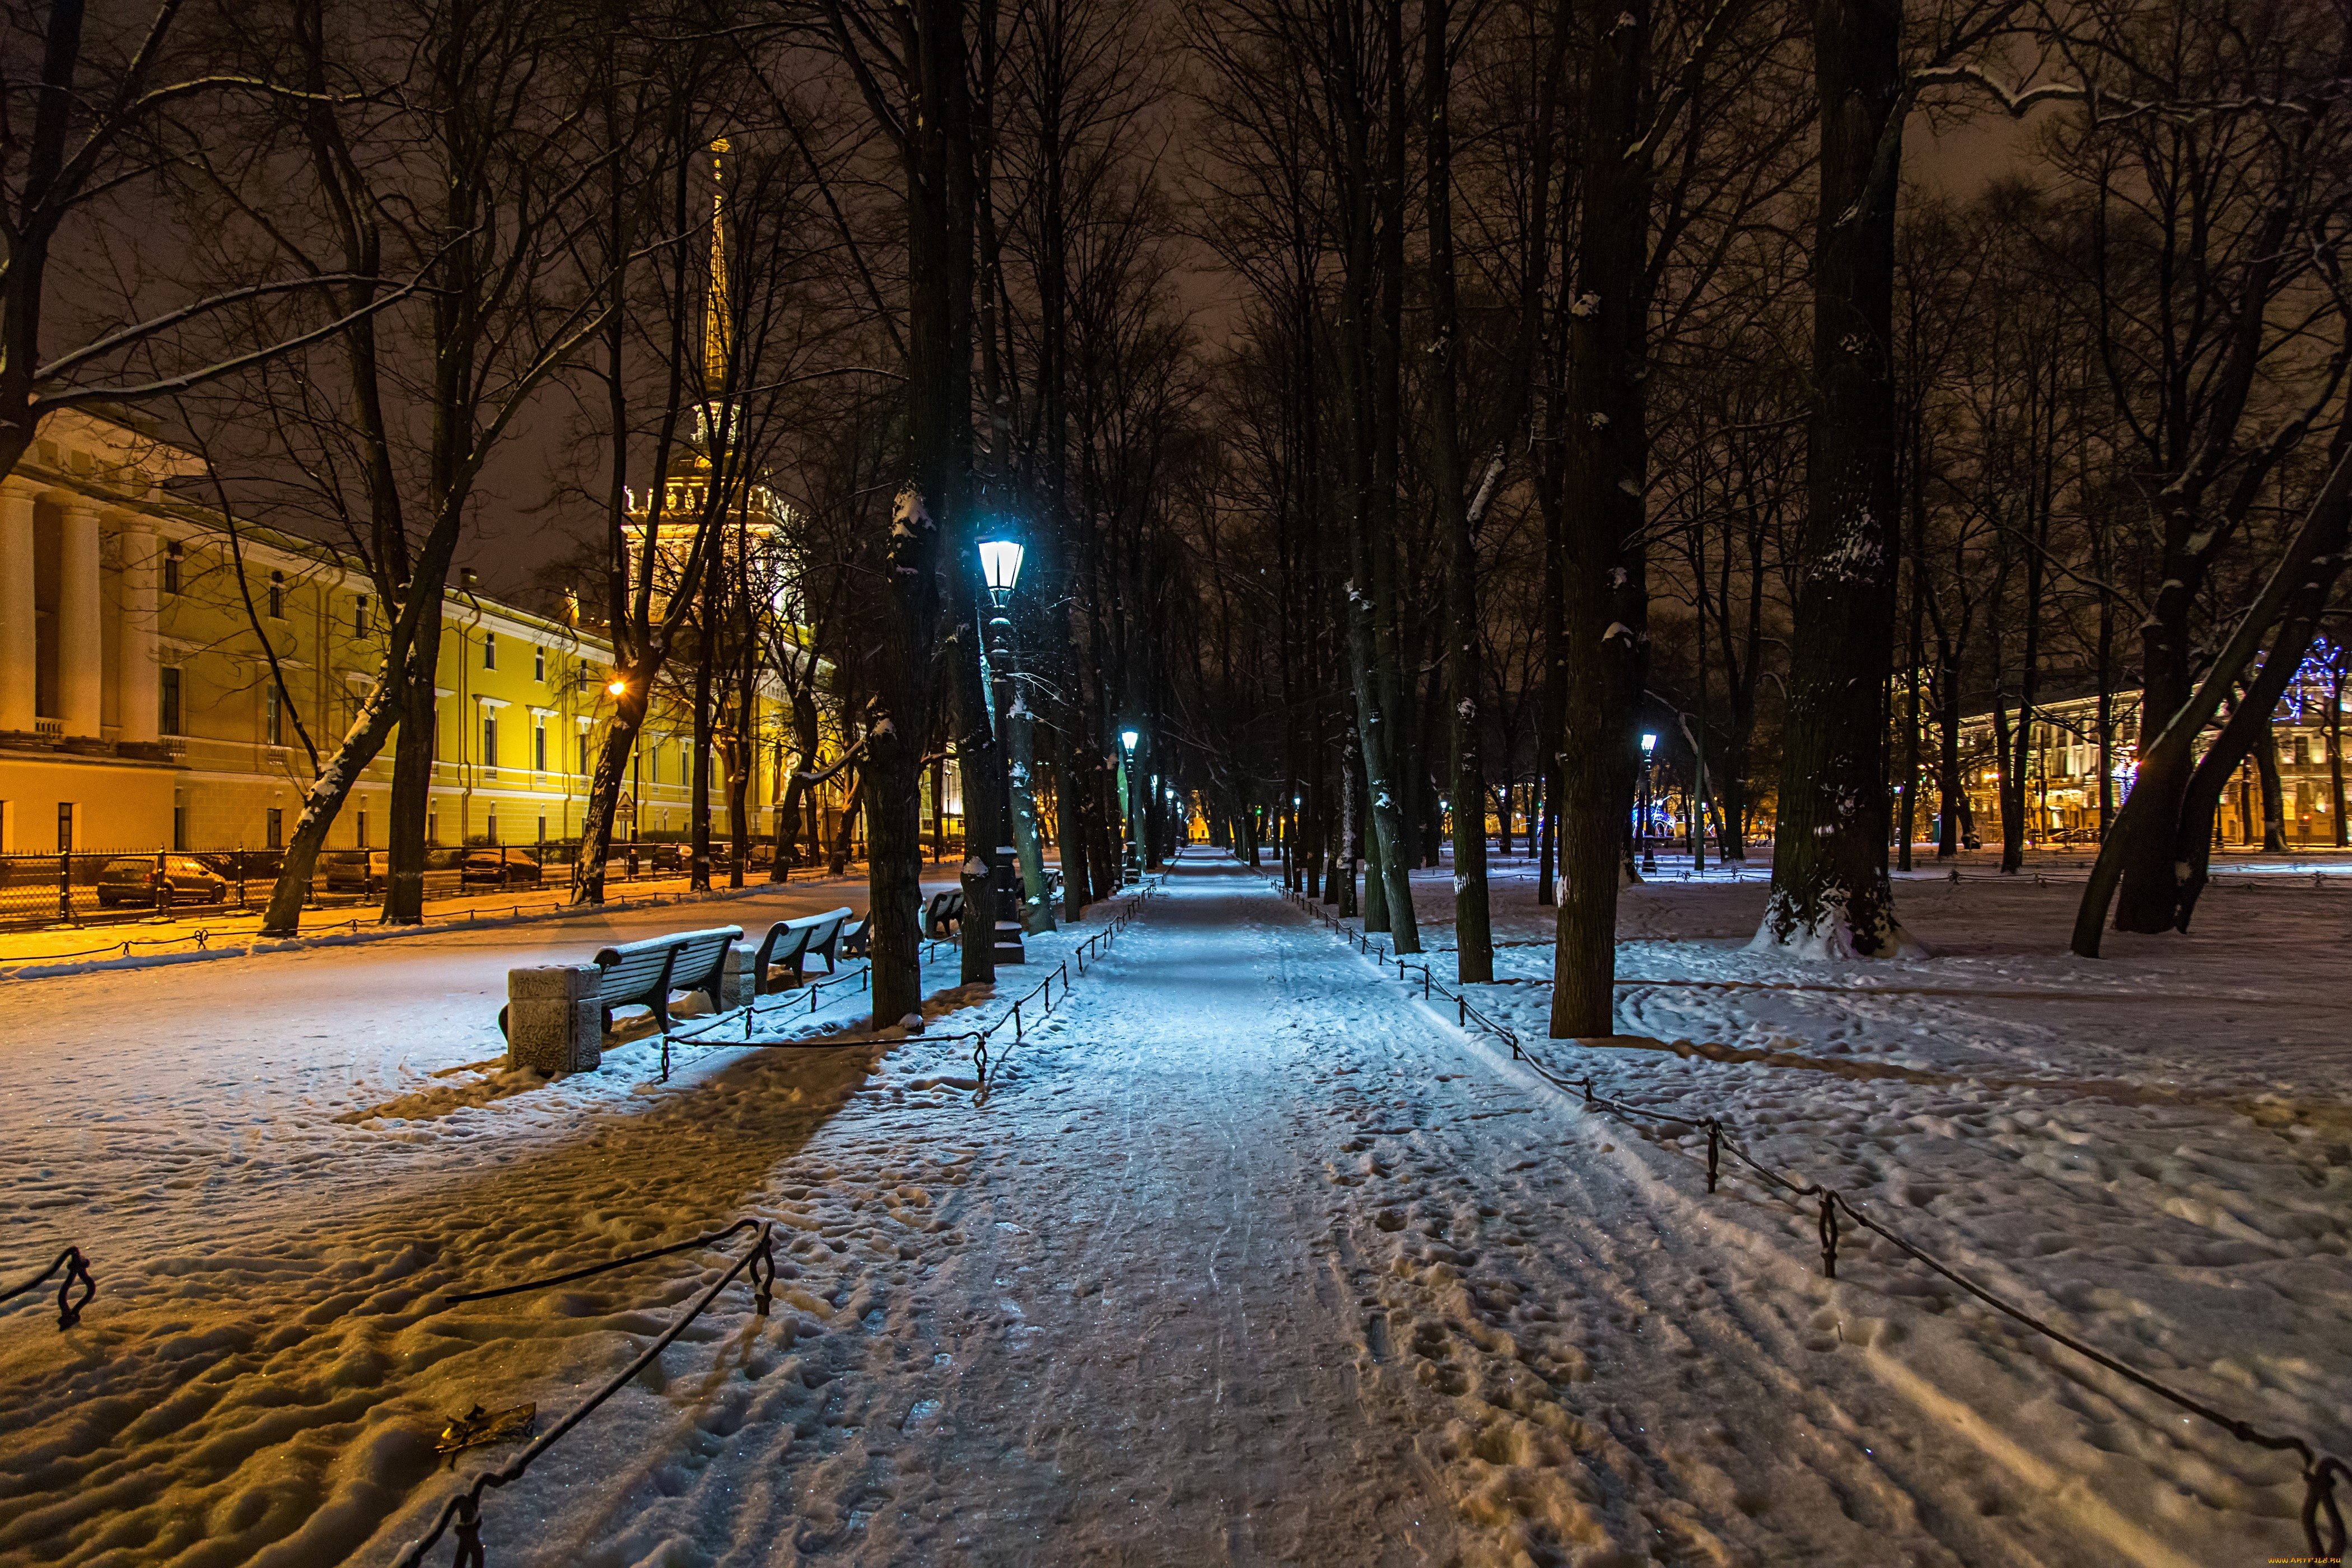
(646, 856)
(253, 865)
(138, 879)
(500, 868)
(359, 871)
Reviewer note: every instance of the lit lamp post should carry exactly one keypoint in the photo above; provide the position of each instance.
(1649, 756)
(1126, 739)
(1000, 563)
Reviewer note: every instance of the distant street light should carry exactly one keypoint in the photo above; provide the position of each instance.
(1128, 737)
(619, 688)
(1649, 756)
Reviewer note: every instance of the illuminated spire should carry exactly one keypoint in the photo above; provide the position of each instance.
(714, 325)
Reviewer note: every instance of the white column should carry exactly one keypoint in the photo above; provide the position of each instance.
(138, 700)
(19, 638)
(82, 660)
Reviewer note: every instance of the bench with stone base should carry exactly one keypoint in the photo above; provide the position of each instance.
(552, 1011)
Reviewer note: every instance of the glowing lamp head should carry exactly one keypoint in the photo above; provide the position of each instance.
(618, 688)
(1128, 737)
(1000, 563)
(1649, 743)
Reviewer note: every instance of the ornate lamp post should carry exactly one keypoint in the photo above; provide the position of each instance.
(1000, 563)
(1649, 756)
(1126, 740)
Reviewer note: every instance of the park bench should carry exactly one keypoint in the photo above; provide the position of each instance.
(569, 1008)
(790, 943)
(944, 916)
(648, 973)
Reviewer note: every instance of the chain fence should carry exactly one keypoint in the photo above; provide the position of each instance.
(69, 1268)
(864, 975)
(464, 1510)
(1830, 1208)
(985, 1067)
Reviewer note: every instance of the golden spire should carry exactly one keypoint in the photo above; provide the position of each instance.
(714, 326)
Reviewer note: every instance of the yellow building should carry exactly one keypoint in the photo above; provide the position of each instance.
(139, 708)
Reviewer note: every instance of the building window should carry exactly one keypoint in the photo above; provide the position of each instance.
(359, 615)
(276, 828)
(431, 828)
(490, 651)
(2302, 751)
(363, 827)
(583, 753)
(167, 705)
(539, 665)
(653, 759)
(278, 596)
(272, 717)
(69, 818)
(172, 567)
(490, 741)
(179, 825)
(538, 746)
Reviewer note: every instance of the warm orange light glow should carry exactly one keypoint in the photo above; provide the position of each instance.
(618, 689)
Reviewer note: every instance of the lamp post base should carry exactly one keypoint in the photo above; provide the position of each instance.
(1006, 888)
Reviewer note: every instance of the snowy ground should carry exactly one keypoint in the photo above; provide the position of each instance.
(1247, 1256)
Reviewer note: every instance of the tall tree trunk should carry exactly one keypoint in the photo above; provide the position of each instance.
(929, 514)
(2266, 769)
(1605, 610)
(1474, 940)
(2342, 835)
(2301, 582)
(412, 773)
(706, 660)
(1830, 886)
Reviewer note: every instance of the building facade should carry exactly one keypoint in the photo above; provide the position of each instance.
(2062, 793)
(159, 677)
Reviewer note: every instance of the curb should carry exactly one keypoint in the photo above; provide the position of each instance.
(67, 970)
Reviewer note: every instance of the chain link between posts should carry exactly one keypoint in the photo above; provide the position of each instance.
(69, 1268)
(985, 1067)
(2321, 1469)
(464, 1510)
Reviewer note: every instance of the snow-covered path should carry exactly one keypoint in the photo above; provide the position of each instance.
(1247, 1256)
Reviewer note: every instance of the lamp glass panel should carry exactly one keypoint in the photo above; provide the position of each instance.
(1000, 563)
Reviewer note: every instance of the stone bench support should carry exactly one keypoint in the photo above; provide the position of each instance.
(555, 1020)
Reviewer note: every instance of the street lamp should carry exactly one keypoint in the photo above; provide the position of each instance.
(1000, 565)
(1649, 754)
(1126, 739)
